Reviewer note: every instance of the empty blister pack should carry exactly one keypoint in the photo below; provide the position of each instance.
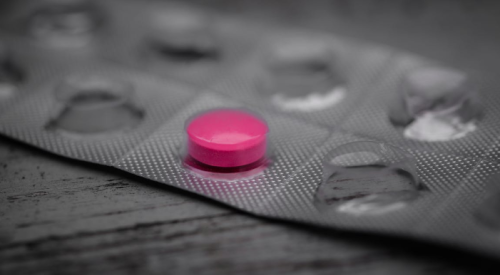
(413, 156)
(75, 28)
(359, 183)
(307, 74)
(177, 41)
(39, 39)
(429, 106)
(95, 113)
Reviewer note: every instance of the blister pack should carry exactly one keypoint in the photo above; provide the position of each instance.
(177, 41)
(432, 130)
(281, 122)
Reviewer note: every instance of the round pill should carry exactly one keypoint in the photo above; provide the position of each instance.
(227, 138)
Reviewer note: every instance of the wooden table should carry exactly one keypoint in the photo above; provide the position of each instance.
(59, 216)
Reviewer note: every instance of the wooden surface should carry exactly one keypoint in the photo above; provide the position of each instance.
(67, 217)
(59, 216)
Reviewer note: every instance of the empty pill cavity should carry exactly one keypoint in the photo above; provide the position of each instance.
(302, 75)
(95, 105)
(436, 104)
(183, 37)
(367, 178)
(65, 23)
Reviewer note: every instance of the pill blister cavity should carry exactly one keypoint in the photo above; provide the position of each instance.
(367, 178)
(95, 105)
(185, 37)
(65, 23)
(226, 144)
(11, 75)
(436, 104)
(302, 76)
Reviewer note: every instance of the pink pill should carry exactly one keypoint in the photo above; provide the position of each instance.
(227, 138)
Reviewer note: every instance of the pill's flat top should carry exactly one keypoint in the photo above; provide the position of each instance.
(227, 130)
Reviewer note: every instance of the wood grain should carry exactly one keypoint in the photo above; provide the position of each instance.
(67, 217)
